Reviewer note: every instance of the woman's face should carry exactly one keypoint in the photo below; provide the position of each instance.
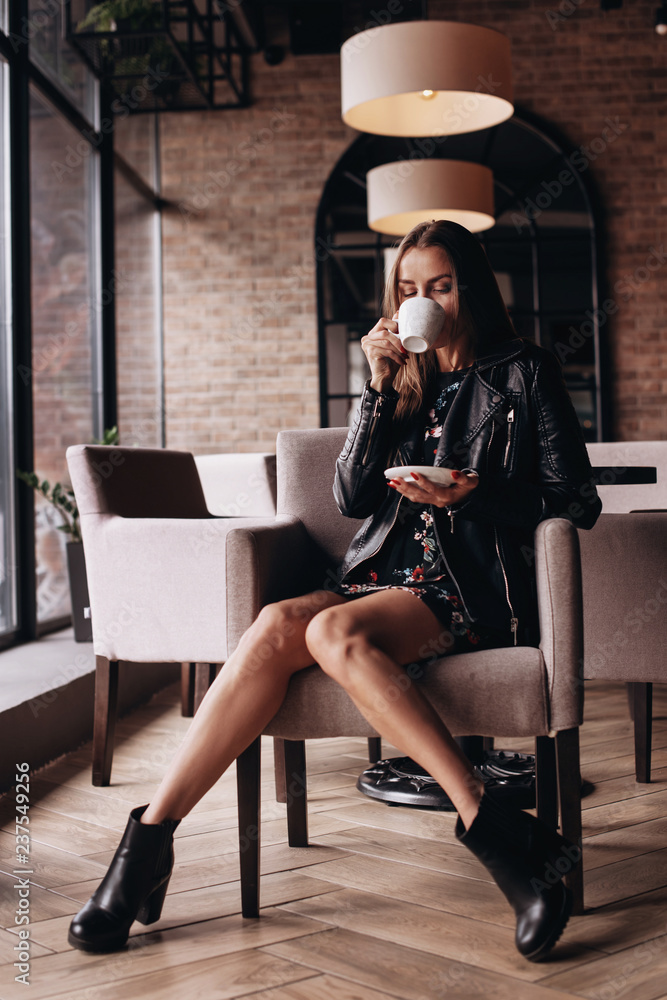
(429, 274)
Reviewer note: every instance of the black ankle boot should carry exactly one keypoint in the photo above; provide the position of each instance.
(527, 862)
(133, 888)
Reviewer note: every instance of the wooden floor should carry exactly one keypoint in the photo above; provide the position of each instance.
(385, 903)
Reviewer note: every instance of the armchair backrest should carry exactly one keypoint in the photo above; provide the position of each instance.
(624, 574)
(621, 461)
(559, 595)
(135, 482)
(239, 484)
(306, 462)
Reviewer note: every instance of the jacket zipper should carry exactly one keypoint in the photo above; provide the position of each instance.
(510, 425)
(375, 551)
(447, 567)
(451, 512)
(514, 622)
(375, 416)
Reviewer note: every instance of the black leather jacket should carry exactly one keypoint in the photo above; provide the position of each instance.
(512, 422)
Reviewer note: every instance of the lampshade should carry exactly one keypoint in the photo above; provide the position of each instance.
(421, 78)
(402, 194)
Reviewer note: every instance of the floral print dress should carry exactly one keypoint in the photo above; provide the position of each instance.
(409, 558)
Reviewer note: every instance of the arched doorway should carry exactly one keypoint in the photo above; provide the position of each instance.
(543, 250)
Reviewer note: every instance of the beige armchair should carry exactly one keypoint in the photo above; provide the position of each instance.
(235, 484)
(624, 571)
(515, 692)
(155, 561)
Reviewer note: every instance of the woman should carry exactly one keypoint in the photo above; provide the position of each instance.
(444, 568)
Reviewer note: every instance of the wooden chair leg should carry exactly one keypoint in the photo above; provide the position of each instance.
(546, 781)
(204, 677)
(104, 721)
(279, 768)
(569, 800)
(248, 787)
(642, 713)
(374, 749)
(472, 747)
(188, 689)
(297, 799)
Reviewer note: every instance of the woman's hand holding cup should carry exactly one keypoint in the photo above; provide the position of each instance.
(386, 346)
(384, 352)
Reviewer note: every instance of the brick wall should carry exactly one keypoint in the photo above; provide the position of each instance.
(137, 358)
(241, 332)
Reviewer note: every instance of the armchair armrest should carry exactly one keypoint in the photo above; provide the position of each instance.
(158, 586)
(267, 563)
(559, 596)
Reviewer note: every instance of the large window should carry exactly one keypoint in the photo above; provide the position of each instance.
(80, 317)
(7, 547)
(65, 328)
(138, 348)
(54, 57)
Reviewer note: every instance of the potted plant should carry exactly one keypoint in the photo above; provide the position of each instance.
(63, 499)
(126, 56)
(121, 15)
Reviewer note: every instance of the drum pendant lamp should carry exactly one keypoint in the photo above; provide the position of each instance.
(426, 78)
(410, 191)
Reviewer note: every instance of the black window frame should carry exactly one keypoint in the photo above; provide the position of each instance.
(24, 73)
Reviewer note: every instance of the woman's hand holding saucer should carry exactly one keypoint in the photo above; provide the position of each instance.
(421, 490)
(384, 352)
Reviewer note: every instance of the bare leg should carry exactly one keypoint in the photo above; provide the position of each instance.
(243, 698)
(361, 644)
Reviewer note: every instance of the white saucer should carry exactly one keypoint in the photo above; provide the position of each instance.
(443, 477)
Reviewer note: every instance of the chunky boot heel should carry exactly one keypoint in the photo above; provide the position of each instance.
(527, 861)
(133, 888)
(152, 908)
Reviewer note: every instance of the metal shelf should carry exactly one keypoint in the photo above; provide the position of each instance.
(181, 60)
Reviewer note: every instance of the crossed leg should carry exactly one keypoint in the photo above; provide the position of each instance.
(362, 644)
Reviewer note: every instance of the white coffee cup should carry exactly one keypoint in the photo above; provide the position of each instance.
(419, 323)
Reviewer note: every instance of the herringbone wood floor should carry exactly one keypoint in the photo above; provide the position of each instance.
(385, 903)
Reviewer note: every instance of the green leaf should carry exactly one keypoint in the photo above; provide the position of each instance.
(29, 478)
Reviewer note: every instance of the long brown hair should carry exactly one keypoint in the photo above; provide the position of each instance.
(478, 309)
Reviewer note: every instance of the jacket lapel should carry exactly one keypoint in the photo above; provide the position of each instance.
(475, 402)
